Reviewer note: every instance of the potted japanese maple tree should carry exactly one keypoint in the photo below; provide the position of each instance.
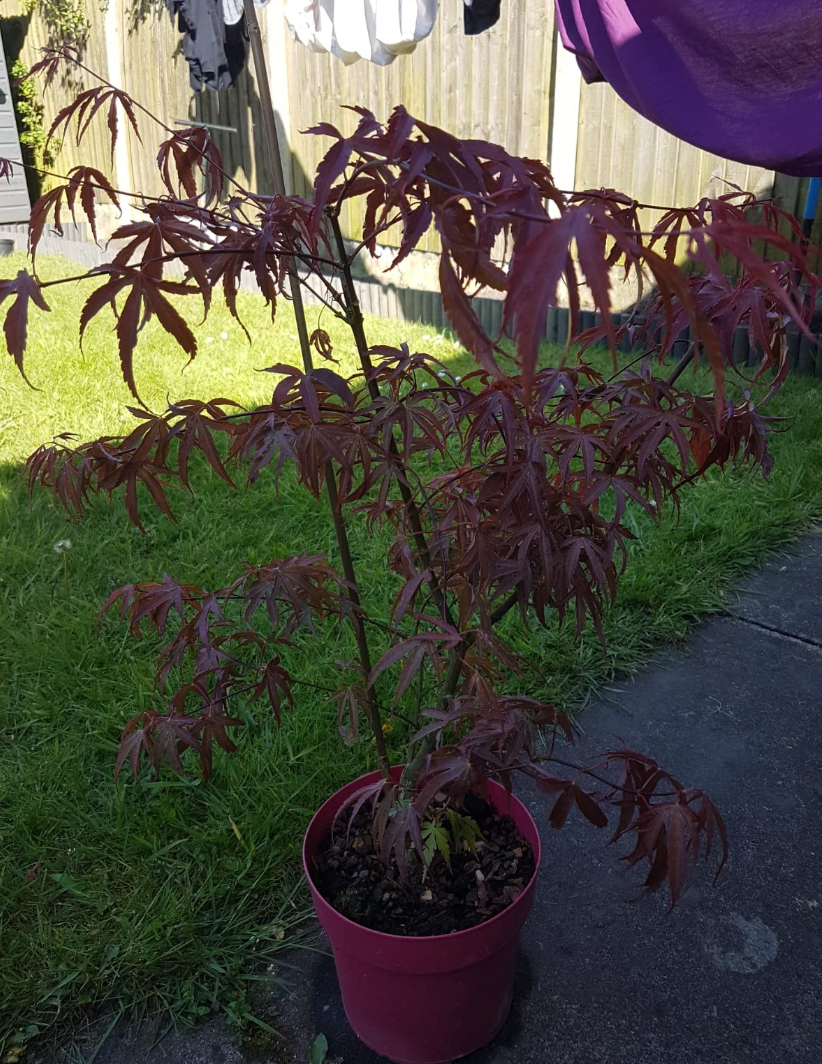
(506, 492)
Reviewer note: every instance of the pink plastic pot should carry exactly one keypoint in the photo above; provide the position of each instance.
(424, 1000)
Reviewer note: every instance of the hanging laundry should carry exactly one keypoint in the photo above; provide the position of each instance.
(214, 49)
(375, 30)
(480, 15)
(739, 78)
(232, 12)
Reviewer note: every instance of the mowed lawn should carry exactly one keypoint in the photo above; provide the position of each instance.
(176, 893)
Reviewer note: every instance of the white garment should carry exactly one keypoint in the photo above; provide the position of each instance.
(376, 30)
(233, 10)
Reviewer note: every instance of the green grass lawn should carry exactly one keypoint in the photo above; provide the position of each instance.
(178, 893)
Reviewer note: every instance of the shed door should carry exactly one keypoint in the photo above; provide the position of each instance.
(14, 195)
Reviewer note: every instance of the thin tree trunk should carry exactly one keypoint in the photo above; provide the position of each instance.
(278, 181)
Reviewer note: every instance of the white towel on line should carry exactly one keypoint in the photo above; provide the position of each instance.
(376, 30)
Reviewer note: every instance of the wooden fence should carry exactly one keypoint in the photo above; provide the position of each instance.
(511, 84)
(138, 47)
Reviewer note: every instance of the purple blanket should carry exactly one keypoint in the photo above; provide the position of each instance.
(739, 78)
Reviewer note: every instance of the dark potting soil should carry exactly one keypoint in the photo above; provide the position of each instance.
(450, 896)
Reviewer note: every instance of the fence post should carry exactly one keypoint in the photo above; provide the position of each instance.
(276, 37)
(114, 62)
(565, 113)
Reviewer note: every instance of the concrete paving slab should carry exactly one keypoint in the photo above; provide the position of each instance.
(786, 594)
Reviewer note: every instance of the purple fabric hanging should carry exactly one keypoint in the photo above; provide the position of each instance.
(739, 78)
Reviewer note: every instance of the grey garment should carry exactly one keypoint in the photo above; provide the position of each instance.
(214, 51)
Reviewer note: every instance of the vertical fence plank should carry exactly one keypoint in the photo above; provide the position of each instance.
(807, 356)
(741, 346)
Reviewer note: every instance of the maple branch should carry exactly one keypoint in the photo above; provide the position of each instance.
(150, 114)
(355, 320)
(372, 236)
(527, 769)
(329, 306)
(65, 280)
(490, 201)
(372, 706)
(278, 179)
(647, 353)
(682, 364)
(455, 664)
(503, 608)
(91, 184)
(303, 256)
(358, 169)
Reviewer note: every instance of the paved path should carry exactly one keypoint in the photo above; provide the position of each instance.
(734, 976)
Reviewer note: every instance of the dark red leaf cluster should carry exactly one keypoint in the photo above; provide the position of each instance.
(508, 489)
(80, 190)
(503, 225)
(186, 153)
(83, 108)
(214, 645)
(158, 449)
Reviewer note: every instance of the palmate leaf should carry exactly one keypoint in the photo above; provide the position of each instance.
(154, 602)
(196, 426)
(24, 289)
(275, 684)
(84, 183)
(171, 734)
(86, 105)
(81, 188)
(412, 652)
(145, 298)
(435, 839)
(133, 745)
(51, 61)
(374, 794)
(191, 151)
(165, 234)
(351, 700)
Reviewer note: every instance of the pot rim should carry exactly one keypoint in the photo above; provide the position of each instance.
(453, 935)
